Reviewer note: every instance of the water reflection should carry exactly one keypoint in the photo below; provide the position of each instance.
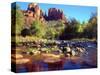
(85, 61)
(61, 65)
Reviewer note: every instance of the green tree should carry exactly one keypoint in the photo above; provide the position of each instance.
(17, 20)
(90, 31)
(50, 33)
(54, 29)
(38, 29)
(71, 30)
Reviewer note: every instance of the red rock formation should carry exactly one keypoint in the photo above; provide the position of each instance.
(32, 13)
(55, 14)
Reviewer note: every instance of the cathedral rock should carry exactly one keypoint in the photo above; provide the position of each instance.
(33, 13)
(55, 14)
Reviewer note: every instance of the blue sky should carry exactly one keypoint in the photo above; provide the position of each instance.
(81, 13)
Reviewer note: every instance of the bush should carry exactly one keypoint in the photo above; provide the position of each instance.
(26, 32)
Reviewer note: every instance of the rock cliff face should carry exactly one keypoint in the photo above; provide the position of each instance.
(32, 13)
(55, 14)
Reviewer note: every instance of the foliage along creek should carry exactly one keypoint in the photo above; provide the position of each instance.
(45, 42)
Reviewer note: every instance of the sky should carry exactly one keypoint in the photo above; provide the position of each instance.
(81, 13)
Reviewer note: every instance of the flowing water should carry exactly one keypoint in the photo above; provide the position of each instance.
(88, 60)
